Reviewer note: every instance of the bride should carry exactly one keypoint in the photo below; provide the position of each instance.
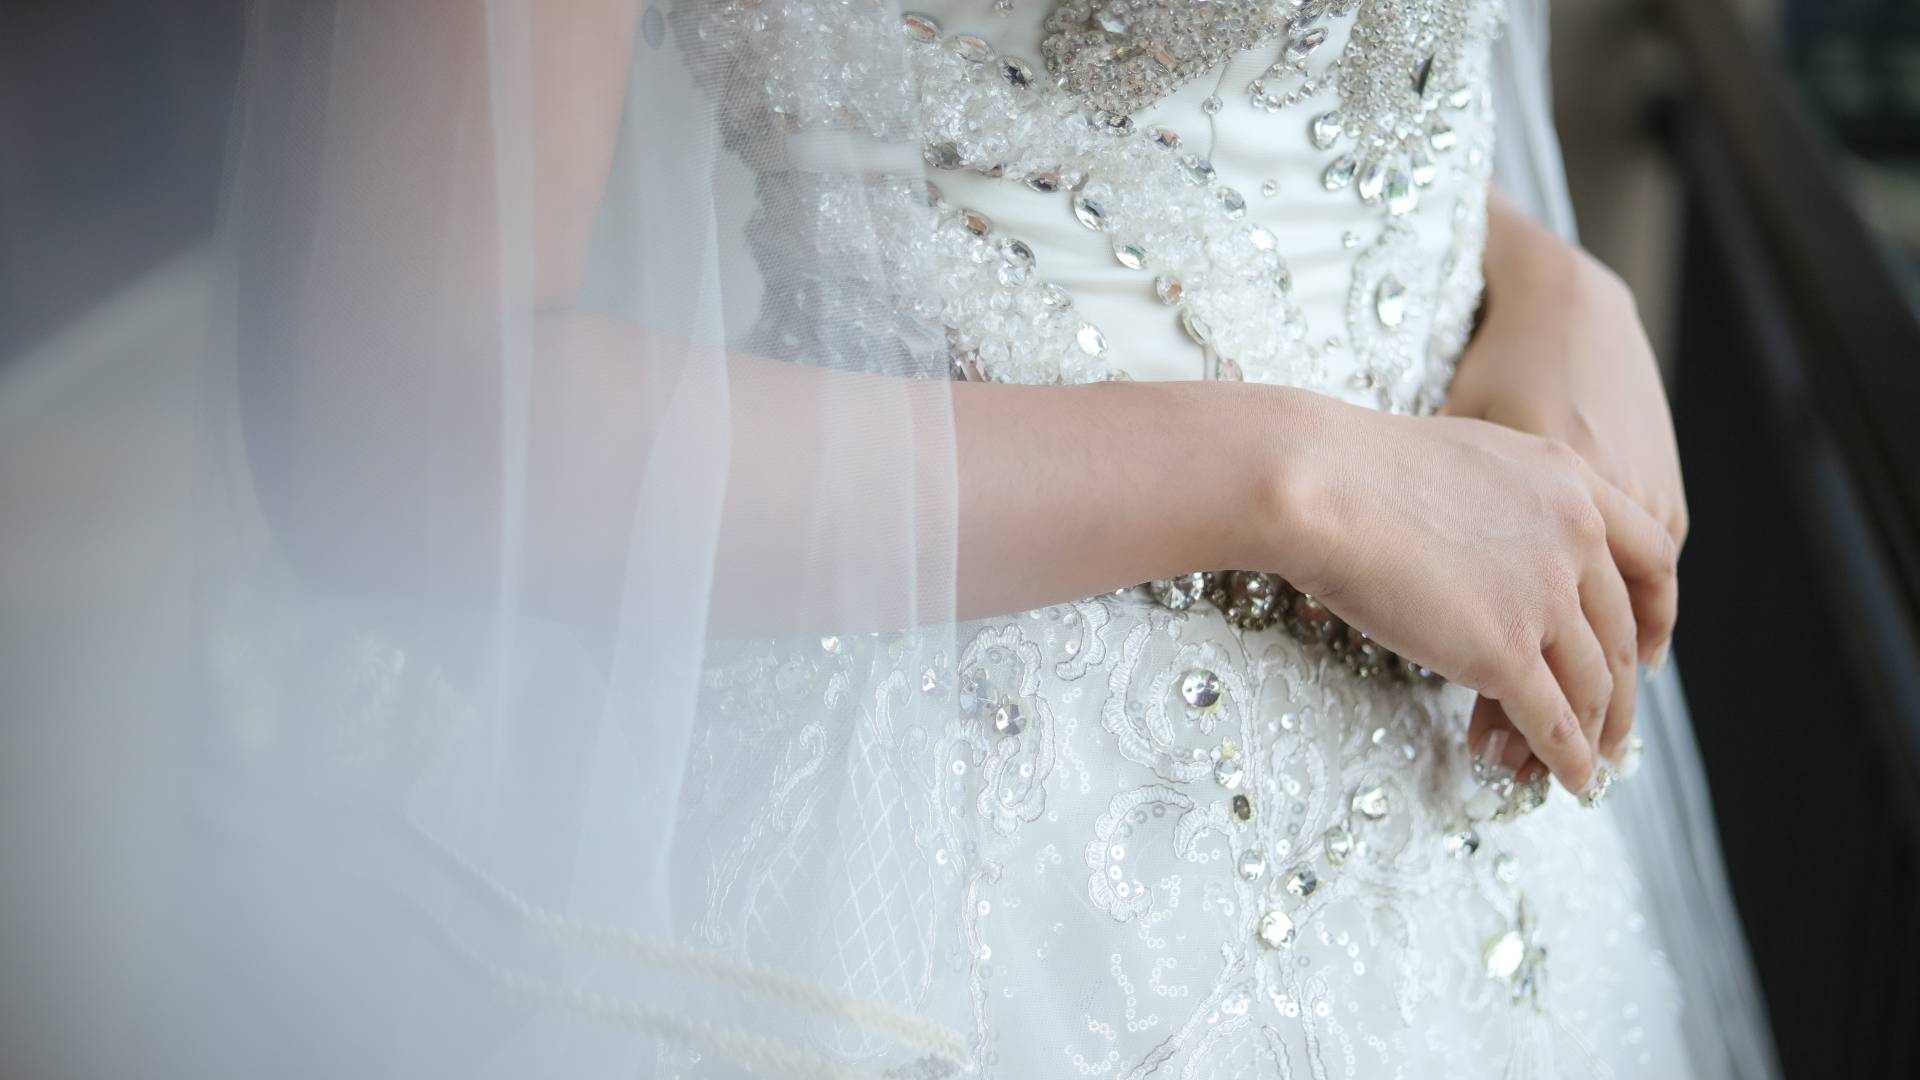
(1006, 538)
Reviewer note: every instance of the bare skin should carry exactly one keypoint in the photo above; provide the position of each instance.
(1561, 353)
(1505, 560)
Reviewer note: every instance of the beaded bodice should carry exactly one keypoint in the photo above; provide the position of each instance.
(1285, 191)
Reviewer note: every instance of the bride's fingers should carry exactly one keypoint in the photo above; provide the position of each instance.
(1539, 710)
(1493, 738)
(1603, 596)
(1646, 555)
(1626, 687)
(1578, 661)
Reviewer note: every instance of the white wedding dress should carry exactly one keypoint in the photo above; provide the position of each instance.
(1193, 830)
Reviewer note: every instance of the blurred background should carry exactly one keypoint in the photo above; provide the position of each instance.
(1752, 167)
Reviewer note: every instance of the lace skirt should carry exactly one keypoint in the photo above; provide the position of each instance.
(1111, 839)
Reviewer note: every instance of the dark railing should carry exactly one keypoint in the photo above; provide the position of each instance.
(1797, 397)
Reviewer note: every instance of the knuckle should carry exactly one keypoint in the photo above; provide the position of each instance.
(1565, 731)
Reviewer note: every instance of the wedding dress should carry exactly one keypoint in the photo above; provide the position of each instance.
(1197, 828)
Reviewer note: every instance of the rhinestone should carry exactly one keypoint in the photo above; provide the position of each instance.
(1201, 689)
(1262, 239)
(1055, 297)
(976, 222)
(969, 47)
(1131, 256)
(1253, 863)
(1166, 138)
(1506, 867)
(1339, 844)
(1372, 181)
(1421, 74)
(1090, 339)
(1016, 252)
(1227, 369)
(1270, 188)
(1461, 97)
(921, 28)
(1045, 181)
(1349, 239)
(1234, 203)
(1425, 172)
(1112, 20)
(1326, 129)
(1167, 289)
(1090, 213)
(1249, 597)
(830, 644)
(1179, 593)
(1212, 105)
(1302, 47)
(1462, 842)
(1372, 802)
(1276, 930)
(1228, 772)
(943, 155)
(1402, 195)
(1196, 327)
(1243, 808)
(1503, 954)
(1390, 302)
(1442, 137)
(1199, 169)
(1008, 720)
(1016, 72)
(1340, 173)
(1302, 881)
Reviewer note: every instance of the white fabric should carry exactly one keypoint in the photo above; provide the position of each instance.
(481, 748)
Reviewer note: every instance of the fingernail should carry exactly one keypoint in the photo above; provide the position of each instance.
(1659, 662)
(1495, 751)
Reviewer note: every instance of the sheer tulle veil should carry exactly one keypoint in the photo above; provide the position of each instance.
(526, 381)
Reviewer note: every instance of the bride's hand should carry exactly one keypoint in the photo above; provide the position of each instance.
(1495, 557)
(1561, 353)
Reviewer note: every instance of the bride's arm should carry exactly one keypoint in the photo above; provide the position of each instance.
(1491, 556)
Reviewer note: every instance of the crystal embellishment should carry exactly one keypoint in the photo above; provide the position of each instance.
(1339, 845)
(1372, 802)
(1390, 302)
(1252, 864)
(1275, 930)
(1201, 689)
(1302, 882)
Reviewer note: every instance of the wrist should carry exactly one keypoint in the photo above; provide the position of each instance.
(1282, 493)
